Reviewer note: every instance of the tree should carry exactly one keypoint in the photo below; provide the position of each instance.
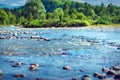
(81, 16)
(3, 17)
(59, 13)
(34, 7)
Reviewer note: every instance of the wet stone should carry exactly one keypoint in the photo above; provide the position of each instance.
(33, 66)
(96, 74)
(105, 69)
(111, 73)
(117, 77)
(116, 68)
(19, 75)
(67, 68)
(101, 76)
(0, 73)
(86, 77)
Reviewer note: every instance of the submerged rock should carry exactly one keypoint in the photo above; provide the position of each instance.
(19, 75)
(40, 79)
(46, 39)
(86, 77)
(67, 68)
(74, 78)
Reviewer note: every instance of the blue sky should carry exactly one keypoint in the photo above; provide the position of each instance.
(94, 2)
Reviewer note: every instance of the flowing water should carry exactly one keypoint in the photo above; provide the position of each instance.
(86, 48)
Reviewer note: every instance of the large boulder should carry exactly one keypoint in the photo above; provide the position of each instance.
(111, 73)
(117, 77)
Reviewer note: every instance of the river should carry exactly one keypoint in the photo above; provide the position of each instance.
(88, 49)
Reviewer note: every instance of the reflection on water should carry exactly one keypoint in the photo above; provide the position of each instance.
(87, 49)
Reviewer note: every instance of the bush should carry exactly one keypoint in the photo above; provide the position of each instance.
(102, 22)
(77, 23)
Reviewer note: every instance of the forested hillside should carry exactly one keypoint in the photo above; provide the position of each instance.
(60, 13)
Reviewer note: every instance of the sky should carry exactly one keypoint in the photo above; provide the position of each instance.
(94, 2)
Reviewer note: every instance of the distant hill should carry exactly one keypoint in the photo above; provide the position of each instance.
(7, 6)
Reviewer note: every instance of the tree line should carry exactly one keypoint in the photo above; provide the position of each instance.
(60, 13)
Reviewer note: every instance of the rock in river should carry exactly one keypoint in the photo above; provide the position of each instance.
(111, 73)
(105, 69)
(86, 77)
(117, 77)
(35, 37)
(33, 67)
(0, 73)
(67, 68)
(19, 75)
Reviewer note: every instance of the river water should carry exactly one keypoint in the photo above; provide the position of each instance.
(88, 49)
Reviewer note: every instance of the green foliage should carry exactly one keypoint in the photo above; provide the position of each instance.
(78, 23)
(33, 8)
(3, 17)
(60, 13)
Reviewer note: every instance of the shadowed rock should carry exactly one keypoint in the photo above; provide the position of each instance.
(67, 68)
(105, 69)
(46, 39)
(19, 75)
(35, 37)
(116, 68)
(111, 73)
(117, 77)
(86, 77)
(101, 76)
(33, 66)
(96, 74)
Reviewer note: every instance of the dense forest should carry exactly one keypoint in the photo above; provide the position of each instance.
(60, 13)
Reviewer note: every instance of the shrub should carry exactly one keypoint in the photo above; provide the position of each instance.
(77, 23)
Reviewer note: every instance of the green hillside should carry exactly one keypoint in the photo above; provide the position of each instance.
(60, 13)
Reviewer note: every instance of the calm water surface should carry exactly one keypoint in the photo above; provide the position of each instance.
(87, 49)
